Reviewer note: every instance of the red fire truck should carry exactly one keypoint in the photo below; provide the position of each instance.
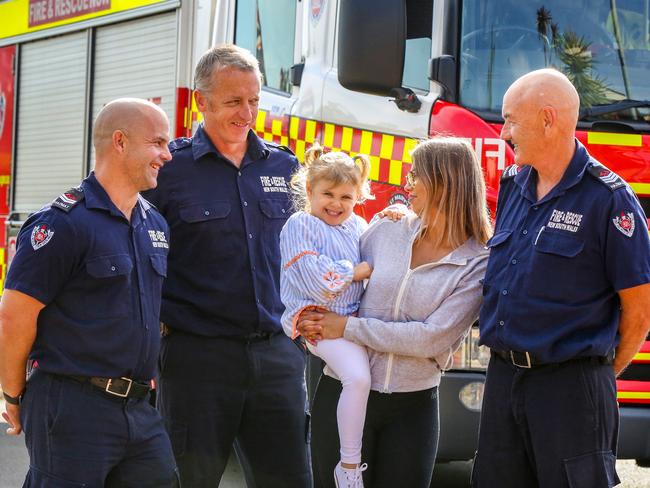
(363, 76)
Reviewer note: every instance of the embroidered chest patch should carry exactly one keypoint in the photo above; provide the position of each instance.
(564, 220)
(158, 239)
(625, 223)
(41, 235)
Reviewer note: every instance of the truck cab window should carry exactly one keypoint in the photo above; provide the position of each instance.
(266, 28)
(419, 15)
(602, 46)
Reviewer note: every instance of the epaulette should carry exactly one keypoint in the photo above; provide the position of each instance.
(278, 146)
(606, 176)
(66, 201)
(180, 143)
(510, 172)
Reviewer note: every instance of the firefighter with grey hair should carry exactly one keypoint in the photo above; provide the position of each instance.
(229, 375)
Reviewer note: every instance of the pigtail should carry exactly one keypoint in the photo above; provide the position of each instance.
(312, 154)
(362, 162)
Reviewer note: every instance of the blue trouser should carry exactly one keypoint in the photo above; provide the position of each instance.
(78, 436)
(214, 392)
(553, 426)
(400, 437)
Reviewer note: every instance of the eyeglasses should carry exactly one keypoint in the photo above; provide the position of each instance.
(411, 178)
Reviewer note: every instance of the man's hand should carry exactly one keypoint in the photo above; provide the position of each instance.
(362, 271)
(12, 417)
(634, 324)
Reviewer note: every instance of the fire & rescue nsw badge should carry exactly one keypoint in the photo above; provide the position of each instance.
(41, 235)
(625, 223)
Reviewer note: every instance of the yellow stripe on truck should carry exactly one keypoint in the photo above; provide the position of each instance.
(633, 395)
(610, 139)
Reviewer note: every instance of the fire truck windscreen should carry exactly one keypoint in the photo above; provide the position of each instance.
(601, 45)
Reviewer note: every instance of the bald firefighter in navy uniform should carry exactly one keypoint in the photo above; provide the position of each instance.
(82, 299)
(566, 298)
(228, 373)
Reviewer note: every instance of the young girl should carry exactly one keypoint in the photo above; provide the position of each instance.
(321, 268)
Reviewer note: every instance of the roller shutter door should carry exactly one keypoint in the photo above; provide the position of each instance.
(137, 59)
(50, 141)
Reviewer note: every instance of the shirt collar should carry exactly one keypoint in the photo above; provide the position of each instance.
(96, 197)
(202, 145)
(527, 177)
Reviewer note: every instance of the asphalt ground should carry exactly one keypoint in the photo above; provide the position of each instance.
(14, 462)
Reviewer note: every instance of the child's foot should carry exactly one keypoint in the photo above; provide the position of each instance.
(349, 478)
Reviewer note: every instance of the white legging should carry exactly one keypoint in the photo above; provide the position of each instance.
(350, 363)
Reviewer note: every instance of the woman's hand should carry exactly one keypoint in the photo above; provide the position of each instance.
(394, 213)
(317, 325)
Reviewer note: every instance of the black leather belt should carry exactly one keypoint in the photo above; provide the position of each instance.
(527, 360)
(116, 387)
(257, 336)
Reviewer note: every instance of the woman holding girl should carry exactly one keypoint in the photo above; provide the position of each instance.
(422, 298)
(319, 245)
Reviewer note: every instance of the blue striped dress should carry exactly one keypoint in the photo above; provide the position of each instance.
(318, 265)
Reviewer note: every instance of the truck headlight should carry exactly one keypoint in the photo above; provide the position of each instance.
(471, 395)
(470, 355)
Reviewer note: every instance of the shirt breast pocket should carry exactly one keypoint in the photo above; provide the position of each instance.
(109, 282)
(207, 212)
(498, 260)
(159, 265)
(275, 212)
(554, 268)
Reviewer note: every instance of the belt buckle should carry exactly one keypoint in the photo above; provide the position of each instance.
(117, 393)
(528, 364)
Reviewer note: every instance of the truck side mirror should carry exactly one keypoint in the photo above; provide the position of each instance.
(443, 71)
(370, 46)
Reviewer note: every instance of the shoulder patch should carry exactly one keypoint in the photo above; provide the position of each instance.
(66, 201)
(180, 143)
(606, 176)
(278, 146)
(510, 172)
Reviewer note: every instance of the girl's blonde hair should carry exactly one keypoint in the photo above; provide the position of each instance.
(451, 173)
(334, 167)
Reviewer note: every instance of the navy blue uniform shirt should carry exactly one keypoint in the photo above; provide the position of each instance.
(100, 278)
(556, 264)
(225, 222)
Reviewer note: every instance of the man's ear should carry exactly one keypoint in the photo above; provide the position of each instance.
(549, 117)
(201, 101)
(118, 139)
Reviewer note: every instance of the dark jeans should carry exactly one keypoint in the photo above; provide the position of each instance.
(554, 426)
(78, 436)
(400, 437)
(214, 392)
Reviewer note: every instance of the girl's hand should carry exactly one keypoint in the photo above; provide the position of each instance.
(362, 271)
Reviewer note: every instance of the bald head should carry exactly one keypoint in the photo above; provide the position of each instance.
(547, 88)
(124, 114)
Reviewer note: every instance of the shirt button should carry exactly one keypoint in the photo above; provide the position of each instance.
(504, 292)
(207, 212)
(258, 300)
(245, 204)
(113, 268)
(253, 267)
(535, 207)
(524, 232)
(514, 261)
(283, 211)
(238, 173)
(501, 322)
(250, 236)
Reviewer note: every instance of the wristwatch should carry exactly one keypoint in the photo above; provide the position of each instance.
(14, 400)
